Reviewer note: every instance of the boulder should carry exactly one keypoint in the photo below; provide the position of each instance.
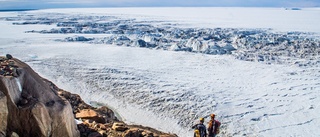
(107, 113)
(32, 107)
(119, 127)
(91, 115)
(8, 56)
(86, 113)
(133, 133)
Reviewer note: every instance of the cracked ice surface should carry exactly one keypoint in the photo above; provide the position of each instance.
(170, 90)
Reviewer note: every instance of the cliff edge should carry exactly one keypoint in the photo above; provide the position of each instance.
(33, 106)
(29, 107)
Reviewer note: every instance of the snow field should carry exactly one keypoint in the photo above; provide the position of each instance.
(171, 90)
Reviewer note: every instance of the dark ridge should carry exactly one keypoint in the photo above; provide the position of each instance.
(11, 10)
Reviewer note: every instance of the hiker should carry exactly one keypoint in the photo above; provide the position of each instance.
(213, 126)
(200, 129)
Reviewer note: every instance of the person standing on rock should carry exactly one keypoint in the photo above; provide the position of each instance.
(200, 129)
(213, 126)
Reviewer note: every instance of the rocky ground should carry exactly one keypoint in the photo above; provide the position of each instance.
(96, 122)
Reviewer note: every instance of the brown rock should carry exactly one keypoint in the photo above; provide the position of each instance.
(3, 114)
(102, 126)
(103, 133)
(91, 115)
(86, 122)
(133, 133)
(45, 114)
(108, 113)
(64, 94)
(147, 134)
(119, 127)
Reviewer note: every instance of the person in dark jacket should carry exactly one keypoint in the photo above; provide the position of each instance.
(200, 129)
(213, 126)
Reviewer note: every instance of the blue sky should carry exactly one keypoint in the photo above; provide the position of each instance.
(36, 4)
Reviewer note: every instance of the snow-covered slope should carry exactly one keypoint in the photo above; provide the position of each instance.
(170, 90)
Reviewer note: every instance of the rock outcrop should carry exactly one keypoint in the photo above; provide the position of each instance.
(33, 106)
(30, 107)
(102, 122)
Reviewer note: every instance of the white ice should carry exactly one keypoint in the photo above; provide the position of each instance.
(166, 89)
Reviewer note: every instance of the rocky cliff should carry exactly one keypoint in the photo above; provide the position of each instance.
(33, 106)
(29, 107)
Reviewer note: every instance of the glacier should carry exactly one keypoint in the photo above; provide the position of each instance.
(265, 90)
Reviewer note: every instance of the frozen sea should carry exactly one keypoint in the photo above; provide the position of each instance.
(170, 90)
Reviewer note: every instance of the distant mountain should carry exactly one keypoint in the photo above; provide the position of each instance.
(10, 10)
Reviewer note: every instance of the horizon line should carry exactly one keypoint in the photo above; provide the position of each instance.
(29, 9)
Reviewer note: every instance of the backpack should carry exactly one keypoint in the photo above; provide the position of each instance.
(215, 127)
(200, 131)
(196, 133)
